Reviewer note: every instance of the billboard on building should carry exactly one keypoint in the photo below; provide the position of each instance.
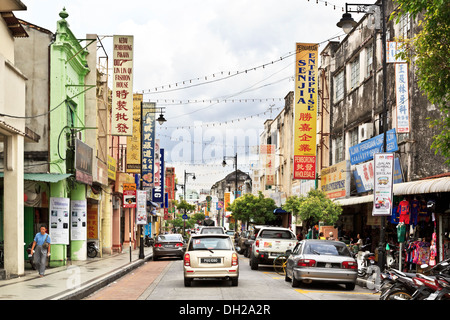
(122, 95)
(305, 110)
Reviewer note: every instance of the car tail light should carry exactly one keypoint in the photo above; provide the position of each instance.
(157, 245)
(187, 260)
(179, 244)
(350, 265)
(306, 263)
(257, 243)
(234, 260)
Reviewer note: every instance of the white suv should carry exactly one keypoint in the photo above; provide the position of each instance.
(269, 243)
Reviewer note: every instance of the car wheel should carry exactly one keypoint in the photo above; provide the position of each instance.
(253, 262)
(286, 278)
(187, 282)
(234, 282)
(350, 286)
(155, 258)
(295, 282)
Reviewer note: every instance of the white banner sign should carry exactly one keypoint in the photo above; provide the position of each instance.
(59, 220)
(402, 95)
(141, 206)
(383, 184)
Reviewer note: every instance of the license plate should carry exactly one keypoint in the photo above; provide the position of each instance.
(168, 245)
(327, 265)
(210, 260)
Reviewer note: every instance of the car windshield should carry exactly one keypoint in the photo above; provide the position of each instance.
(276, 234)
(212, 231)
(210, 243)
(331, 249)
(169, 237)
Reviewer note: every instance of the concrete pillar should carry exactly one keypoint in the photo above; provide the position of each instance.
(13, 207)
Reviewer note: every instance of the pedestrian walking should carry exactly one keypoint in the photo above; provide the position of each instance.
(331, 237)
(42, 244)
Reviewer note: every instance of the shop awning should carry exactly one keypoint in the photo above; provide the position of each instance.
(43, 177)
(405, 188)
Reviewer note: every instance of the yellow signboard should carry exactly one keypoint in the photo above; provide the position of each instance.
(134, 141)
(305, 110)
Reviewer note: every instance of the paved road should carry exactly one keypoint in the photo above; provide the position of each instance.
(163, 280)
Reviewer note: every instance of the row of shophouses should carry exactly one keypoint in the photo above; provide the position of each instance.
(62, 168)
(349, 126)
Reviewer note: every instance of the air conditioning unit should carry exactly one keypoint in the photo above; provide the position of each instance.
(365, 131)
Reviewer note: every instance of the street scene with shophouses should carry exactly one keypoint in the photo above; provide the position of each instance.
(183, 152)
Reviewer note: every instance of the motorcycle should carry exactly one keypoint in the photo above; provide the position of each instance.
(30, 256)
(397, 285)
(92, 249)
(149, 241)
(365, 259)
(435, 287)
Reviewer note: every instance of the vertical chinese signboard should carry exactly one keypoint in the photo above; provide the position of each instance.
(134, 141)
(122, 95)
(402, 94)
(267, 153)
(305, 111)
(148, 143)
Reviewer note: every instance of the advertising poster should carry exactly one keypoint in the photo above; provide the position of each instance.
(122, 93)
(78, 222)
(305, 110)
(59, 220)
(141, 212)
(129, 195)
(383, 184)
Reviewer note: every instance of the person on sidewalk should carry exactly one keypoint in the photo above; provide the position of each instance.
(42, 244)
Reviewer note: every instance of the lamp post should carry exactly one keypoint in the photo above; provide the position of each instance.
(161, 120)
(224, 163)
(347, 24)
(186, 175)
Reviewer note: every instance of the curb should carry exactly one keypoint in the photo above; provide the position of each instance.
(96, 284)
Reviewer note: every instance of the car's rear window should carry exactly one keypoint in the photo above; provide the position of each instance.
(169, 237)
(210, 243)
(276, 234)
(331, 249)
(212, 231)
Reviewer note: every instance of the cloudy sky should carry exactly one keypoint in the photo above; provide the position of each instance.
(218, 68)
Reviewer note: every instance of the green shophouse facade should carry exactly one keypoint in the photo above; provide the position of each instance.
(68, 68)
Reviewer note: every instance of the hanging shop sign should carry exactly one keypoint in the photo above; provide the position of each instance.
(78, 216)
(148, 143)
(364, 151)
(129, 195)
(383, 184)
(112, 165)
(141, 212)
(363, 175)
(83, 162)
(134, 141)
(335, 180)
(122, 94)
(267, 157)
(393, 48)
(59, 220)
(402, 97)
(305, 110)
(158, 190)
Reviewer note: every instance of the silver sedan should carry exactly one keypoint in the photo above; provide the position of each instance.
(321, 260)
(169, 245)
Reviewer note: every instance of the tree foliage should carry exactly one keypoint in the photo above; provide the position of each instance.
(313, 208)
(430, 51)
(257, 209)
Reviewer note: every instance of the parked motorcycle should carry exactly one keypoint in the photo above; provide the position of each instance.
(365, 259)
(397, 285)
(30, 256)
(92, 249)
(148, 242)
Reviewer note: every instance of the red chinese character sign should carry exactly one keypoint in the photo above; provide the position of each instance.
(122, 95)
(305, 111)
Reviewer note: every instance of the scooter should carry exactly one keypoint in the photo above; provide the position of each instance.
(30, 256)
(92, 249)
(365, 259)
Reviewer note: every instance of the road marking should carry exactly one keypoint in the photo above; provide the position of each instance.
(336, 292)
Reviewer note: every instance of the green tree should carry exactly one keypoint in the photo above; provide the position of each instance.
(251, 208)
(313, 208)
(429, 50)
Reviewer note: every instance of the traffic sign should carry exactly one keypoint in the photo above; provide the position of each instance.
(185, 216)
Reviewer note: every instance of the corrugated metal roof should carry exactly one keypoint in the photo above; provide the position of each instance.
(405, 188)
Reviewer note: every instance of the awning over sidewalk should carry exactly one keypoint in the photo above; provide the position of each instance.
(405, 188)
(44, 177)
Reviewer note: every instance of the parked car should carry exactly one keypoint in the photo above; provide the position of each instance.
(210, 256)
(212, 230)
(270, 243)
(321, 260)
(231, 234)
(169, 245)
(240, 241)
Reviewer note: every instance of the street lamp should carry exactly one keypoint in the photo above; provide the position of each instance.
(186, 175)
(347, 24)
(224, 163)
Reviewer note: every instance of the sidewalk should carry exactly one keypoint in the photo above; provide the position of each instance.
(75, 281)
